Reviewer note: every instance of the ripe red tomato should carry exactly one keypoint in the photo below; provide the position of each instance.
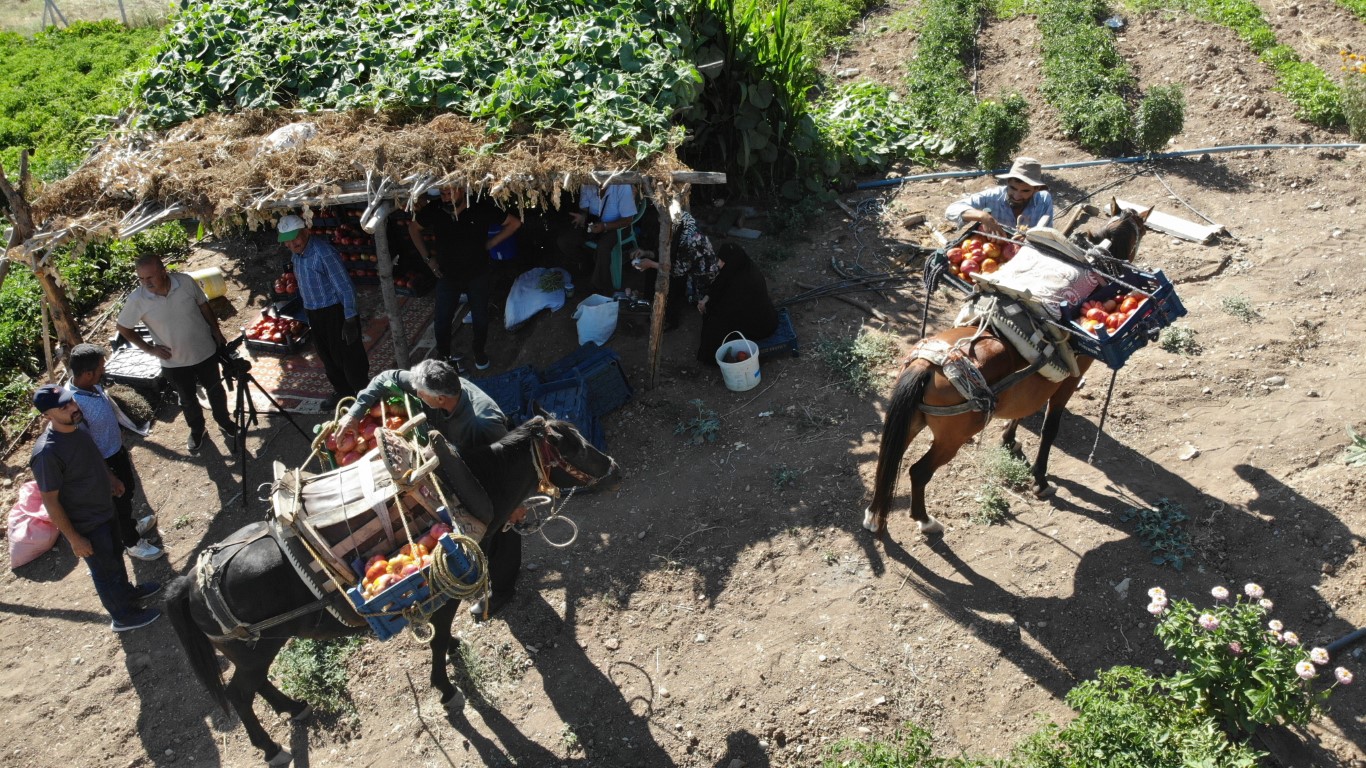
(969, 266)
(1129, 304)
(394, 422)
(1114, 320)
(367, 429)
(346, 442)
(349, 458)
(1096, 314)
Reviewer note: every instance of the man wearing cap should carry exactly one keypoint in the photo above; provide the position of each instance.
(331, 303)
(102, 418)
(78, 492)
(185, 338)
(1023, 201)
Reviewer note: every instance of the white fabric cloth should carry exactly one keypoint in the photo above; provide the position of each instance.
(174, 320)
(1033, 275)
(526, 297)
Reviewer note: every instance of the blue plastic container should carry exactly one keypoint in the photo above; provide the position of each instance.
(600, 369)
(506, 250)
(1159, 311)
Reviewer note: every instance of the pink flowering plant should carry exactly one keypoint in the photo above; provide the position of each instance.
(1240, 666)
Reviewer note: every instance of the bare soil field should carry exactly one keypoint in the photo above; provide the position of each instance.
(726, 608)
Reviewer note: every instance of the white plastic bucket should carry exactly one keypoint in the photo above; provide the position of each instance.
(210, 281)
(743, 375)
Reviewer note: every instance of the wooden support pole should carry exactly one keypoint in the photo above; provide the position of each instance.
(397, 333)
(662, 277)
(47, 341)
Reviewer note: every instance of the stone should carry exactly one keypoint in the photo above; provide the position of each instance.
(612, 643)
(1275, 381)
(1188, 452)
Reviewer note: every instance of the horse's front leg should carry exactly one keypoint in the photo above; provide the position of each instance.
(1009, 442)
(1057, 405)
(442, 642)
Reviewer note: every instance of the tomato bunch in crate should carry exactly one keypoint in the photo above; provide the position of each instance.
(1111, 313)
(383, 572)
(276, 330)
(979, 255)
(349, 446)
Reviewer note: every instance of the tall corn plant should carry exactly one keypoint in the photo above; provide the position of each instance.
(753, 117)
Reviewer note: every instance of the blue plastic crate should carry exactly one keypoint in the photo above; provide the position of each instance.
(567, 399)
(785, 338)
(600, 368)
(382, 612)
(511, 390)
(1159, 311)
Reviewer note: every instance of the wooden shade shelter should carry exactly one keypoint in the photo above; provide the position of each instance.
(247, 169)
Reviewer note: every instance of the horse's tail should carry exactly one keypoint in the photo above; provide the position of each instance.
(198, 649)
(898, 430)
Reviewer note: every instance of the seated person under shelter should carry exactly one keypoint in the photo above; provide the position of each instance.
(692, 263)
(737, 300)
(602, 212)
(1022, 201)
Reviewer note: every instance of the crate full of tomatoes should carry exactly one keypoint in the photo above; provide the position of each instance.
(343, 448)
(286, 285)
(975, 254)
(389, 585)
(1122, 316)
(276, 333)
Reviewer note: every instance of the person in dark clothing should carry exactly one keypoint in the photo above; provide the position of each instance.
(737, 300)
(692, 262)
(460, 260)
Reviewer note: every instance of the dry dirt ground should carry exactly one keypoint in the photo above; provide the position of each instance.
(711, 615)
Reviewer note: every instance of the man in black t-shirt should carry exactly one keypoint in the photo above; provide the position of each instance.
(78, 491)
(459, 258)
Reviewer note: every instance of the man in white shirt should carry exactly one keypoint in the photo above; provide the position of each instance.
(601, 214)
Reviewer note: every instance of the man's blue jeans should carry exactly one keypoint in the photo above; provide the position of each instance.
(448, 290)
(108, 571)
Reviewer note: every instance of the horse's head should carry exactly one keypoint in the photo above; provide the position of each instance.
(565, 459)
(1124, 231)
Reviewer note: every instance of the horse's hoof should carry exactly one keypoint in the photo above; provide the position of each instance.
(1045, 490)
(281, 759)
(870, 522)
(302, 715)
(455, 701)
(931, 527)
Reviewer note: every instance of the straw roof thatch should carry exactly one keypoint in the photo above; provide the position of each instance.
(240, 168)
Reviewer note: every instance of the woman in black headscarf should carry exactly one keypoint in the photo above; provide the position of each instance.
(737, 300)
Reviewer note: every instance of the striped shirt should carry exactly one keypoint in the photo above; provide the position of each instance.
(98, 418)
(322, 277)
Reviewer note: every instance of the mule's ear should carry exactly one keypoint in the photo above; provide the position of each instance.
(1143, 217)
(537, 410)
(1115, 210)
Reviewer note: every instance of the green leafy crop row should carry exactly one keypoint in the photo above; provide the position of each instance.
(1317, 98)
(55, 84)
(1355, 6)
(611, 74)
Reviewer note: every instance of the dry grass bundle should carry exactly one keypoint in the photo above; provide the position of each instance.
(220, 168)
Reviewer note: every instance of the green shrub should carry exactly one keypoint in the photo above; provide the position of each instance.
(869, 126)
(1162, 532)
(1000, 465)
(827, 21)
(705, 427)
(1085, 78)
(315, 671)
(1354, 93)
(860, 362)
(998, 129)
(1355, 6)
(1161, 115)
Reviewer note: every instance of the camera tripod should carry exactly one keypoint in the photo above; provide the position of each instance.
(237, 371)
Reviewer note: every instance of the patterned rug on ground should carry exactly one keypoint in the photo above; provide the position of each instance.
(298, 382)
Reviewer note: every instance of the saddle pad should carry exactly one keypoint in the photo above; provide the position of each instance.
(1033, 276)
(1011, 320)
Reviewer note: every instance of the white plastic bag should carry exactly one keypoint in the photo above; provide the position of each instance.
(31, 531)
(526, 297)
(597, 319)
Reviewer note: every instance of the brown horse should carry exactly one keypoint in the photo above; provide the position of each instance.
(923, 383)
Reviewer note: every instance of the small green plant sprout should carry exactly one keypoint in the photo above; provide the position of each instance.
(783, 476)
(1179, 340)
(1160, 529)
(1002, 466)
(1355, 453)
(1239, 667)
(570, 739)
(858, 361)
(1238, 306)
(1354, 90)
(992, 507)
(705, 427)
(830, 557)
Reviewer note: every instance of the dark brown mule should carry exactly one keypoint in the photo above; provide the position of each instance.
(922, 382)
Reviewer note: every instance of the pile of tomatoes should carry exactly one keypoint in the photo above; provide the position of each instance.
(384, 572)
(276, 330)
(286, 284)
(1109, 314)
(349, 446)
(979, 255)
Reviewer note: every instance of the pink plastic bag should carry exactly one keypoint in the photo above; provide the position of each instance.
(31, 532)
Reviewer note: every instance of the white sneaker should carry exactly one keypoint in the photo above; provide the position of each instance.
(146, 524)
(145, 550)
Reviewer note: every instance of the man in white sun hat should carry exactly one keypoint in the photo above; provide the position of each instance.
(330, 300)
(1022, 201)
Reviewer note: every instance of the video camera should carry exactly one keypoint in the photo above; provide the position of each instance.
(230, 357)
